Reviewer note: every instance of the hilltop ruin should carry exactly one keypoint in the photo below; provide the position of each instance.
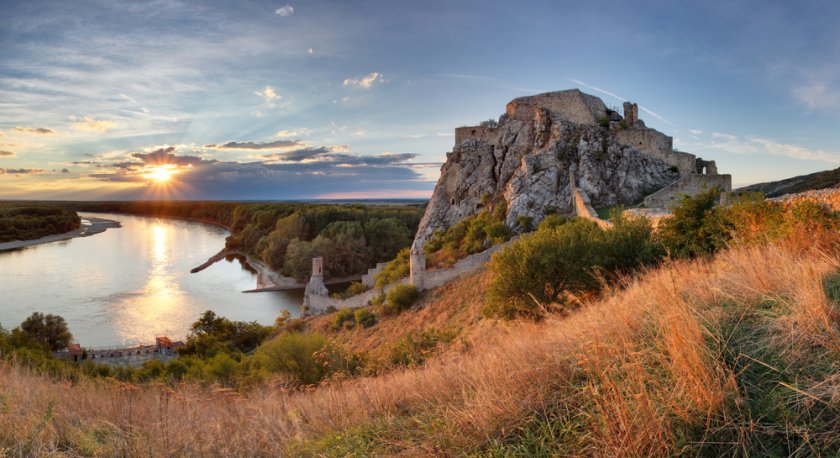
(548, 147)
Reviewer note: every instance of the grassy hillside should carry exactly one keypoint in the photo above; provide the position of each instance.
(735, 355)
(819, 180)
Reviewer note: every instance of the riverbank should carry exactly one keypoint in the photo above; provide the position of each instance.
(90, 226)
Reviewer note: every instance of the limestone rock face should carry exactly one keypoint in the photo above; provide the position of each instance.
(526, 162)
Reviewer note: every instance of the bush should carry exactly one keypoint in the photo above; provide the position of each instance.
(471, 235)
(294, 354)
(49, 329)
(401, 297)
(395, 270)
(697, 227)
(560, 257)
(413, 349)
(343, 318)
(365, 317)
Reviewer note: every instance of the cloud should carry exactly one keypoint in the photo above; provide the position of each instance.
(310, 51)
(291, 133)
(164, 156)
(65, 170)
(19, 172)
(279, 144)
(285, 11)
(365, 82)
(761, 145)
(92, 125)
(34, 130)
(332, 155)
(7, 154)
(268, 94)
(817, 96)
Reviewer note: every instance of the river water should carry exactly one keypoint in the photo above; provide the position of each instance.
(128, 285)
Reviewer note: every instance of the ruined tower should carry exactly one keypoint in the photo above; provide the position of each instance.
(631, 113)
(316, 286)
(417, 274)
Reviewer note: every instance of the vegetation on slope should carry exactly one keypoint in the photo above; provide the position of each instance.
(27, 222)
(819, 180)
(725, 354)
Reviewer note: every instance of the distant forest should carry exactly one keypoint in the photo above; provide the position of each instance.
(285, 236)
(27, 222)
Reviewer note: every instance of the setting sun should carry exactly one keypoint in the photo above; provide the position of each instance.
(161, 173)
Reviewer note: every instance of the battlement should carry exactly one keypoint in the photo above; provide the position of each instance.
(479, 133)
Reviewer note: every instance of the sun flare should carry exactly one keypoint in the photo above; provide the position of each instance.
(161, 173)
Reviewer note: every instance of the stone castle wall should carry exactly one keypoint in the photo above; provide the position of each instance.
(479, 133)
(692, 184)
(657, 145)
(571, 105)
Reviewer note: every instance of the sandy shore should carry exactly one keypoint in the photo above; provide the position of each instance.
(90, 226)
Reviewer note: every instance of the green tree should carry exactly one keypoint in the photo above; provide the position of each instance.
(50, 329)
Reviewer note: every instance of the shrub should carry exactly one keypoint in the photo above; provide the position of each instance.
(365, 317)
(294, 354)
(343, 318)
(560, 256)
(402, 296)
(414, 348)
(472, 234)
(604, 121)
(623, 124)
(396, 269)
(537, 268)
(489, 123)
(49, 329)
(697, 227)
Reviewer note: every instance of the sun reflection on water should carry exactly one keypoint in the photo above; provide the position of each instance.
(159, 303)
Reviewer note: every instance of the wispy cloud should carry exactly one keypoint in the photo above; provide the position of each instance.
(758, 145)
(279, 144)
(817, 95)
(365, 82)
(93, 125)
(7, 154)
(285, 11)
(34, 130)
(291, 133)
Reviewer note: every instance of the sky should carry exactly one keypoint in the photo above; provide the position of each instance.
(275, 100)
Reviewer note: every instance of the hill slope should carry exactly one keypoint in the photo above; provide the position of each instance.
(739, 354)
(813, 181)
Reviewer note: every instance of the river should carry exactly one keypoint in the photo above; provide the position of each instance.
(128, 285)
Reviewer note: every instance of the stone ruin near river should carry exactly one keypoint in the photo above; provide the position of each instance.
(560, 152)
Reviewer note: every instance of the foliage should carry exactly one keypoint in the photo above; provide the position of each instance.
(399, 298)
(365, 317)
(398, 268)
(414, 348)
(489, 123)
(697, 227)
(343, 318)
(538, 269)
(355, 288)
(604, 121)
(471, 235)
(307, 358)
(29, 221)
(212, 335)
(623, 124)
(51, 330)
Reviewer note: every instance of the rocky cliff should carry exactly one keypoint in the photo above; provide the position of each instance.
(526, 160)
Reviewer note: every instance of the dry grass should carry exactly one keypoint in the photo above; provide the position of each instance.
(628, 375)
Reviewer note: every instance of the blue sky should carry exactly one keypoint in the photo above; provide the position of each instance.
(98, 99)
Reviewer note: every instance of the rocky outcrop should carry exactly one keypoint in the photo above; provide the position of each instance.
(526, 160)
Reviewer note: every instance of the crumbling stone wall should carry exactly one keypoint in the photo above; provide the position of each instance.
(690, 185)
(657, 145)
(572, 105)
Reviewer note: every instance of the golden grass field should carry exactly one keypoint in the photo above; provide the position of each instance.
(662, 365)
